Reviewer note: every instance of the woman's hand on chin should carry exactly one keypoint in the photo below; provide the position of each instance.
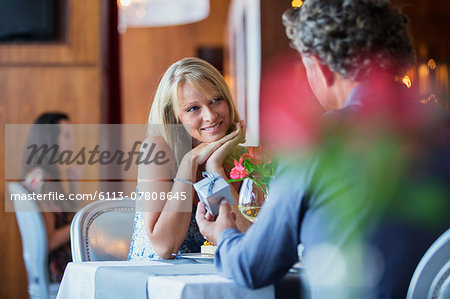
(215, 161)
(217, 150)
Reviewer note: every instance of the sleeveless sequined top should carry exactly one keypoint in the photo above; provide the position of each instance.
(142, 249)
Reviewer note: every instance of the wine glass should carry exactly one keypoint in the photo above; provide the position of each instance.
(251, 199)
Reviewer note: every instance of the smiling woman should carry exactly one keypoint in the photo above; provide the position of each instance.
(185, 85)
(205, 111)
(193, 95)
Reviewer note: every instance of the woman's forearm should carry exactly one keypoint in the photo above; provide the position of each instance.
(167, 227)
(59, 237)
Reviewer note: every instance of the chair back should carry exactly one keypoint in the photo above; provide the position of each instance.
(102, 230)
(431, 277)
(34, 241)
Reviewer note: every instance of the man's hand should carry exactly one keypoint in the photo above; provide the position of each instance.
(211, 229)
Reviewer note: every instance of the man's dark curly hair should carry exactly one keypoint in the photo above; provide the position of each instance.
(352, 37)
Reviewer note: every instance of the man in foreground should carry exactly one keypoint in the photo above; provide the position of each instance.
(369, 197)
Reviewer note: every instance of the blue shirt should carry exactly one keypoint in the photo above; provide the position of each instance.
(343, 205)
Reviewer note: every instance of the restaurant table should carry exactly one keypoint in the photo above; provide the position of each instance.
(179, 278)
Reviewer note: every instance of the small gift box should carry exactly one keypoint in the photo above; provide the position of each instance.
(211, 190)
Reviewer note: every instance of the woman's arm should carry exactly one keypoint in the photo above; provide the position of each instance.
(215, 164)
(167, 221)
(73, 174)
(166, 226)
(56, 237)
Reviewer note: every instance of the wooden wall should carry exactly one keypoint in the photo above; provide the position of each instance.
(36, 78)
(147, 52)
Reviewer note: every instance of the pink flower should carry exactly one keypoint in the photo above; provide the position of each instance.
(238, 171)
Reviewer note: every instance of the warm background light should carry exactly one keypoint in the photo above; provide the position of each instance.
(407, 81)
(432, 64)
(297, 3)
(124, 2)
(157, 13)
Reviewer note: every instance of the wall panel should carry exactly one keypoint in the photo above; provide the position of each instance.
(81, 46)
(36, 78)
(147, 52)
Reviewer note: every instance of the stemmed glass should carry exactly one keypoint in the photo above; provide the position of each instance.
(251, 199)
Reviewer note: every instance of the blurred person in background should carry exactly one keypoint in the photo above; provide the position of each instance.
(371, 194)
(44, 177)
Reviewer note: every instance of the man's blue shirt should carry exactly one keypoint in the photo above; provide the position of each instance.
(342, 203)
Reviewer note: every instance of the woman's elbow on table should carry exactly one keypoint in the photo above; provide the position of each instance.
(165, 254)
(164, 249)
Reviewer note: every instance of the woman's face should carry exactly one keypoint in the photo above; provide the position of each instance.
(66, 140)
(207, 116)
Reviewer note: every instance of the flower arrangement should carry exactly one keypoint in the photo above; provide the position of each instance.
(256, 165)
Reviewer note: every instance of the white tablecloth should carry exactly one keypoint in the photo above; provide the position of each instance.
(202, 286)
(152, 279)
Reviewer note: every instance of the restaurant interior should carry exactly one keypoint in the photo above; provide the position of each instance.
(101, 61)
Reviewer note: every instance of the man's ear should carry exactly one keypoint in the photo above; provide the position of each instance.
(324, 72)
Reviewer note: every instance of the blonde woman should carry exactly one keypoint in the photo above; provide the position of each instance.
(193, 95)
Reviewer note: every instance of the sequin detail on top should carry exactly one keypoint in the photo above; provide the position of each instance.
(142, 249)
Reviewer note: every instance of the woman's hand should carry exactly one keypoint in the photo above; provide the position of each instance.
(216, 159)
(203, 151)
(74, 172)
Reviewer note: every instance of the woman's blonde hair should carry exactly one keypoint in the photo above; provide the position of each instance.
(198, 74)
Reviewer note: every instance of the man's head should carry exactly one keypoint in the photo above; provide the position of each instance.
(350, 38)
